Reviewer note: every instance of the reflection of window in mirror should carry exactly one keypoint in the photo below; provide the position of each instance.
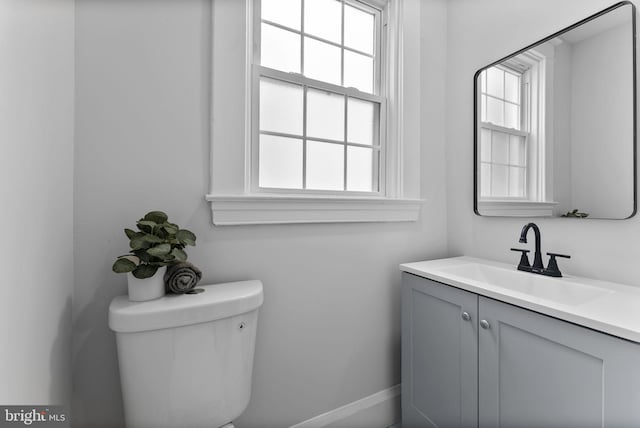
(503, 136)
(511, 136)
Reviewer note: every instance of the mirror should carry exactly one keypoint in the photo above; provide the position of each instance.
(555, 124)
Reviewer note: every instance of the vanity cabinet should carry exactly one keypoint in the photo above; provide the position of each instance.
(468, 361)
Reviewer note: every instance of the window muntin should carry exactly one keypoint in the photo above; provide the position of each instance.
(317, 88)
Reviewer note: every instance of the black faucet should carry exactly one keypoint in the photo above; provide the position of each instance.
(552, 268)
(537, 256)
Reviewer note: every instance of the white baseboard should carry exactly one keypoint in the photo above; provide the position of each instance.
(383, 407)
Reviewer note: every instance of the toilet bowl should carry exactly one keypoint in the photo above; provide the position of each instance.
(186, 361)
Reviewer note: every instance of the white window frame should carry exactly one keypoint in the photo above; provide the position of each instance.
(234, 199)
(378, 96)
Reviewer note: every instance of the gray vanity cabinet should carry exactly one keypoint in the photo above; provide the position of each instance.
(439, 355)
(538, 371)
(504, 366)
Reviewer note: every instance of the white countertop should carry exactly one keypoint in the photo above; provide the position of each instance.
(609, 307)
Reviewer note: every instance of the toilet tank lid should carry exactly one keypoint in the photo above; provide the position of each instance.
(175, 310)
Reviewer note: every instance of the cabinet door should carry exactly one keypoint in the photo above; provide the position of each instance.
(537, 371)
(439, 355)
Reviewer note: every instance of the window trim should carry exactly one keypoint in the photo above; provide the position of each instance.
(231, 197)
(516, 208)
(539, 178)
(237, 210)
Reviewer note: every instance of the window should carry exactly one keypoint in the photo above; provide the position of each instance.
(307, 102)
(319, 104)
(514, 164)
(503, 134)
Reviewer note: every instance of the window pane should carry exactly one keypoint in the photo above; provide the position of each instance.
(500, 149)
(485, 145)
(325, 166)
(280, 162)
(483, 81)
(362, 117)
(358, 29)
(284, 12)
(358, 71)
(511, 116)
(499, 180)
(325, 115)
(280, 49)
(376, 170)
(280, 107)
(359, 169)
(517, 150)
(321, 61)
(512, 87)
(323, 18)
(516, 182)
(485, 180)
(495, 111)
(495, 82)
(483, 108)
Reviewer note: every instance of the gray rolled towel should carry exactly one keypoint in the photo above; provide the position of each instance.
(181, 277)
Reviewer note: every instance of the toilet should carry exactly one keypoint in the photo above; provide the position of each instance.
(186, 360)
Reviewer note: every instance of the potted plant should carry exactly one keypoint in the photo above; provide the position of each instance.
(156, 245)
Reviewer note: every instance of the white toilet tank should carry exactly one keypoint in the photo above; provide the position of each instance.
(186, 360)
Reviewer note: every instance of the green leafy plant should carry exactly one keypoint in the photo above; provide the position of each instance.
(575, 213)
(157, 243)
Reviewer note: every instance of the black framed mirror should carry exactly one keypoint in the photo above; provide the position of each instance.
(555, 124)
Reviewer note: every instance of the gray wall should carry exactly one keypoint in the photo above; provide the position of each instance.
(602, 176)
(599, 248)
(36, 190)
(329, 328)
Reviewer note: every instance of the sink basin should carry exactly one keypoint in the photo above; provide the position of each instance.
(560, 290)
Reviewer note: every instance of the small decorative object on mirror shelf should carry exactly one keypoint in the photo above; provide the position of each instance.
(575, 213)
(156, 245)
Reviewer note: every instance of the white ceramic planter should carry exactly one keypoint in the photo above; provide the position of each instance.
(141, 290)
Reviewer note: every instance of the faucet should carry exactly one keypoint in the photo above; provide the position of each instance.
(537, 256)
(538, 267)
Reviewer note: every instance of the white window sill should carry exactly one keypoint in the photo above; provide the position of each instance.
(515, 208)
(282, 209)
